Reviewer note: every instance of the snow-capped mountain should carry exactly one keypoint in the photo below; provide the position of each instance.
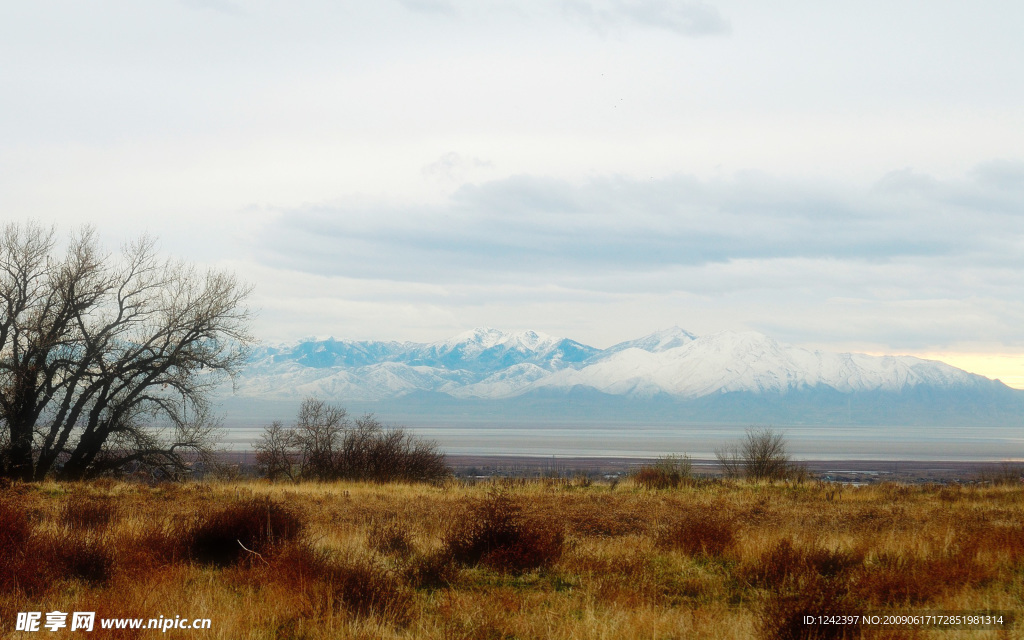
(490, 350)
(749, 362)
(491, 364)
(658, 341)
(477, 363)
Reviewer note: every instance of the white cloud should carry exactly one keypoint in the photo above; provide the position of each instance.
(546, 228)
(682, 18)
(791, 257)
(222, 6)
(455, 168)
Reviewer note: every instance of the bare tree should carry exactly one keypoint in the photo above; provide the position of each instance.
(276, 452)
(764, 454)
(731, 460)
(760, 455)
(318, 435)
(107, 362)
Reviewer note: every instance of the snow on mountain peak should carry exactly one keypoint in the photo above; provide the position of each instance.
(490, 363)
(488, 337)
(658, 341)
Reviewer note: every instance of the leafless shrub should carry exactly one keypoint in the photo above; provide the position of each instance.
(730, 460)
(760, 455)
(325, 444)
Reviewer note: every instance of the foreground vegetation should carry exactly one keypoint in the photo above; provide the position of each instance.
(551, 558)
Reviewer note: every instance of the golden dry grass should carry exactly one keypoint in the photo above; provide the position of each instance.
(570, 560)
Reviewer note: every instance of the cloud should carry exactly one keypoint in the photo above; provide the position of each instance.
(1004, 175)
(221, 6)
(453, 167)
(911, 260)
(682, 18)
(542, 228)
(689, 19)
(435, 7)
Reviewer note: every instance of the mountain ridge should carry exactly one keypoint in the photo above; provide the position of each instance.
(490, 363)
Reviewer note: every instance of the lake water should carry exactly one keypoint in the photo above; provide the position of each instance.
(700, 441)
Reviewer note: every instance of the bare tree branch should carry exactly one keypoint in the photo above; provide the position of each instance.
(96, 352)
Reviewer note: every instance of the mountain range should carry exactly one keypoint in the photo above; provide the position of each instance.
(671, 374)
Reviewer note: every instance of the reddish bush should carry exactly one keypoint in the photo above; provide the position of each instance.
(782, 617)
(15, 533)
(15, 526)
(998, 539)
(257, 524)
(31, 562)
(708, 535)
(654, 478)
(900, 580)
(495, 534)
(787, 567)
(86, 558)
(360, 586)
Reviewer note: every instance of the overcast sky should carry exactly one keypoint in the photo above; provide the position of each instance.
(842, 175)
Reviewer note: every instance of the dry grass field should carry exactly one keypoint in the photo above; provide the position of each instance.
(548, 558)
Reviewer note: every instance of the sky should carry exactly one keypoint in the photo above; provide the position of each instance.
(844, 176)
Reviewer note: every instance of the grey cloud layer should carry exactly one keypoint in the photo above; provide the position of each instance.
(537, 229)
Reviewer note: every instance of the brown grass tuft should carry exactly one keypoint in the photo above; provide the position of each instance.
(363, 588)
(389, 537)
(359, 586)
(15, 526)
(667, 473)
(88, 513)
(84, 557)
(434, 570)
